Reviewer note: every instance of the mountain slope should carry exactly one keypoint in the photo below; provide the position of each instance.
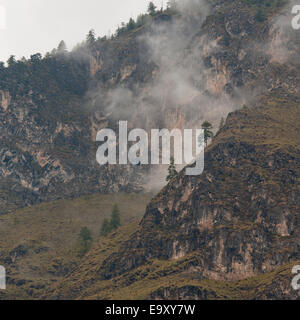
(48, 131)
(174, 70)
(39, 245)
(230, 233)
(235, 227)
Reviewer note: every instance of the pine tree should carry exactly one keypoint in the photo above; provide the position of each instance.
(172, 170)
(131, 24)
(85, 240)
(91, 38)
(151, 9)
(208, 134)
(115, 220)
(106, 228)
(11, 61)
(36, 58)
(62, 48)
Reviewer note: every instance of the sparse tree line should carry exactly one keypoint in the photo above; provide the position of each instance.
(114, 223)
(91, 38)
(262, 8)
(207, 127)
(143, 19)
(208, 134)
(85, 237)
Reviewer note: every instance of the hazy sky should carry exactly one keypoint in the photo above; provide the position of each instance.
(39, 25)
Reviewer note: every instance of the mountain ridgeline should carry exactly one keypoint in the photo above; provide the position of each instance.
(232, 232)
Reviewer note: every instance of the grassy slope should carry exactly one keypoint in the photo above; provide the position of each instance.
(157, 276)
(45, 238)
(273, 123)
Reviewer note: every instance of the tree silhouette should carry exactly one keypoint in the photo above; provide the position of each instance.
(151, 9)
(91, 38)
(208, 134)
(171, 170)
(106, 228)
(115, 221)
(62, 48)
(130, 24)
(11, 61)
(85, 240)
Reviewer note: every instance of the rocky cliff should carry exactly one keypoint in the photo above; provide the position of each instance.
(48, 152)
(238, 223)
(241, 216)
(218, 235)
(231, 233)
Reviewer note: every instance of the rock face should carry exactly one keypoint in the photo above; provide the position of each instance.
(50, 156)
(48, 134)
(241, 216)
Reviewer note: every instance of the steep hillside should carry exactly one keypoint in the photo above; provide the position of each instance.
(164, 279)
(39, 244)
(241, 217)
(48, 148)
(231, 233)
(237, 223)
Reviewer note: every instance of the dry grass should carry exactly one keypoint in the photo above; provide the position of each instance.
(48, 235)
